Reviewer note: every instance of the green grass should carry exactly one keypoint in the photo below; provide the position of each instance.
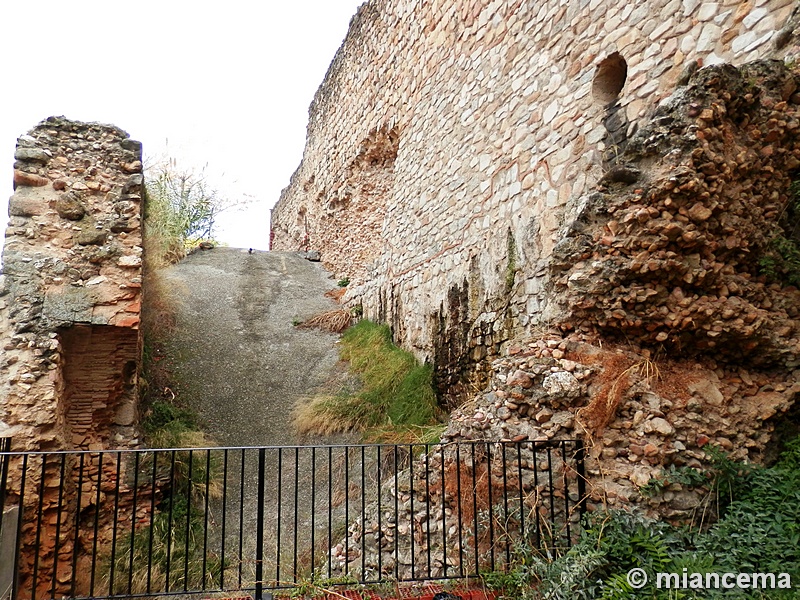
(168, 552)
(395, 390)
(166, 425)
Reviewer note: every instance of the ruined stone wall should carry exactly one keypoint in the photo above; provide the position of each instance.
(70, 292)
(502, 114)
(69, 315)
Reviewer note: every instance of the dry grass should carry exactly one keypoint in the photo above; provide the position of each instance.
(321, 415)
(618, 375)
(405, 435)
(336, 294)
(161, 300)
(163, 297)
(333, 321)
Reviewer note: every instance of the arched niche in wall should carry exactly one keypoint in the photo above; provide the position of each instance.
(607, 85)
(609, 78)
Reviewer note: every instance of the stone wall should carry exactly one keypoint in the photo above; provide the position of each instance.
(70, 291)
(493, 118)
(69, 315)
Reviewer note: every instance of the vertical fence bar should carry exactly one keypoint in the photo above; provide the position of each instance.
(460, 513)
(536, 488)
(278, 521)
(565, 479)
(133, 519)
(169, 518)
(506, 525)
(330, 507)
(205, 517)
(313, 507)
(475, 507)
(380, 512)
(580, 457)
(57, 546)
(96, 523)
(363, 515)
(296, 506)
(39, 518)
(550, 488)
(5, 447)
(491, 503)
(18, 540)
(189, 484)
(346, 509)
(114, 526)
(428, 508)
(224, 518)
(262, 459)
(521, 492)
(396, 514)
(411, 492)
(241, 519)
(444, 514)
(152, 517)
(76, 538)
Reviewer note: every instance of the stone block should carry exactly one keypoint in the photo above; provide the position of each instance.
(29, 202)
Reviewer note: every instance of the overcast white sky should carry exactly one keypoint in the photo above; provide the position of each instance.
(223, 83)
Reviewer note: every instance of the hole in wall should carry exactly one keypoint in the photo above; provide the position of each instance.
(609, 79)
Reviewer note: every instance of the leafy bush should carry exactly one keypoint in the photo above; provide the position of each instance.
(758, 532)
(169, 552)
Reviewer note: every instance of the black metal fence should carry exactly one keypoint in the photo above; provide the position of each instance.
(158, 522)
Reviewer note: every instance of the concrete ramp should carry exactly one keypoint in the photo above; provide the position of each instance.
(242, 362)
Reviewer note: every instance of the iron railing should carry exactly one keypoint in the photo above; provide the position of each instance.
(111, 523)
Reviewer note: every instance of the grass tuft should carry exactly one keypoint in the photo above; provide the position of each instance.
(334, 321)
(396, 390)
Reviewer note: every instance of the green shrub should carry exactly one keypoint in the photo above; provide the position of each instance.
(169, 552)
(758, 532)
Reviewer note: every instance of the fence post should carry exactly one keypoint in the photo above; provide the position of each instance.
(580, 456)
(260, 526)
(5, 446)
(8, 535)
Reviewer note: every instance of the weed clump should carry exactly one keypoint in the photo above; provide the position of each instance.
(395, 389)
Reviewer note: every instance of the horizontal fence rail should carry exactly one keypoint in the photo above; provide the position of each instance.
(103, 524)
